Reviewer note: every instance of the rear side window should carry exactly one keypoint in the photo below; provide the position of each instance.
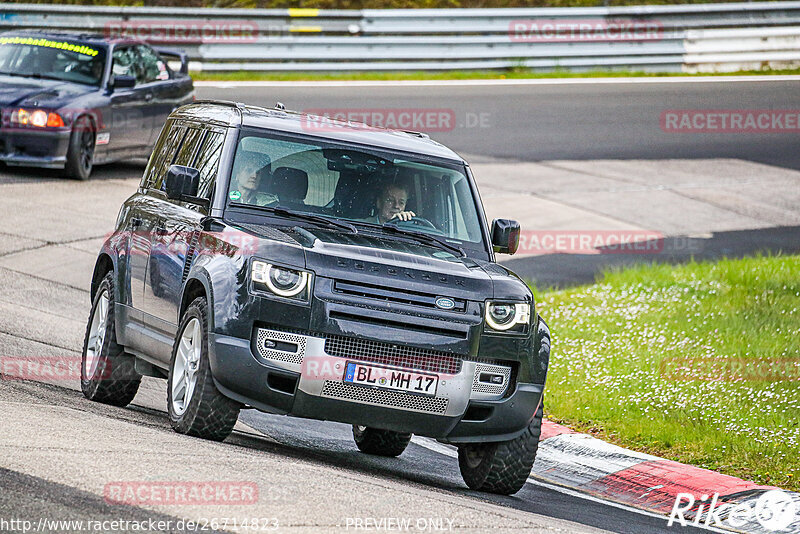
(163, 154)
(189, 147)
(208, 162)
(152, 67)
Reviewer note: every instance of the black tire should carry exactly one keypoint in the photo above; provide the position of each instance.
(380, 442)
(114, 379)
(501, 467)
(208, 414)
(80, 155)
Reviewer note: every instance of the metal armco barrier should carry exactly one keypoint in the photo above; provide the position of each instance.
(665, 38)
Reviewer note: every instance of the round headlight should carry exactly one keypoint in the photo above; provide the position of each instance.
(502, 315)
(285, 282)
(39, 118)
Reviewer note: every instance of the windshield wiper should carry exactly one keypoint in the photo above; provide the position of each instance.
(34, 75)
(428, 239)
(310, 217)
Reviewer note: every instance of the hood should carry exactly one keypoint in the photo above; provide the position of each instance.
(18, 91)
(381, 260)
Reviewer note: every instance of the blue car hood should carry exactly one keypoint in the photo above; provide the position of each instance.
(33, 92)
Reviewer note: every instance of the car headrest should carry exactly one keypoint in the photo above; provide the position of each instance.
(290, 183)
(355, 196)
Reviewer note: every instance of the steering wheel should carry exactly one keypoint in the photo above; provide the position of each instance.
(414, 221)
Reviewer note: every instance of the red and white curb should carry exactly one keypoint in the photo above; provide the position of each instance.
(708, 499)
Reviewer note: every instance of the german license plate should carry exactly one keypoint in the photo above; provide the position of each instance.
(391, 378)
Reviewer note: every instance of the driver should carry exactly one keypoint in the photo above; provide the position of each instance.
(97, 69)
(391, 204)
(255, 168)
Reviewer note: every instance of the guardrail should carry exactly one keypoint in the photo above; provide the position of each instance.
(694, 37)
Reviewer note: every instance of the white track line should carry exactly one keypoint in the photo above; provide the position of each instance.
(435, 446)
(532, 81)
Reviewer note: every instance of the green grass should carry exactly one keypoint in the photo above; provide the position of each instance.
(617, 344)
(511, 74)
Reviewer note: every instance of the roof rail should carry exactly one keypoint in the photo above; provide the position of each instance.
(241, 108)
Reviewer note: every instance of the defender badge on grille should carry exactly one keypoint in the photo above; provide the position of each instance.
(445, 303)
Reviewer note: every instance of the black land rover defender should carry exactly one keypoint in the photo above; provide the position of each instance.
(296, 265)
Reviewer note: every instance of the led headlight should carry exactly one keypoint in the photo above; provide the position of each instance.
(280, 280)
(506, 315)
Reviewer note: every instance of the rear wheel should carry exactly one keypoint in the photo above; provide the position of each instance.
(107, 372)
(501, 467)
(80, 155)
(194, 404)
(380, 442)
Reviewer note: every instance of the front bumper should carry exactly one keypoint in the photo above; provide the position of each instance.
(34, 148)
(309, 383)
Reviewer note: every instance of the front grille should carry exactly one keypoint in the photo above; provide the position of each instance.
(392, 399)
(388, 294)
(392, 354)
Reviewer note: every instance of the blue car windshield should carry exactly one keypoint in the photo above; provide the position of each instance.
(52, 59)
(356, 185)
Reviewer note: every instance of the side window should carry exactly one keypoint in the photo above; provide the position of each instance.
(208, 162)
(163, 154)
(189, 147)
(126, 63)
(152, 67)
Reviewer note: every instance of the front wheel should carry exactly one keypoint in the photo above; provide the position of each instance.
(80, 155)
(501, 467)
(108, 374)
(380, 442)
(194, 404)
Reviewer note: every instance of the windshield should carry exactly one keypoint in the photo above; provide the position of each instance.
(359, 185)
(53, 59)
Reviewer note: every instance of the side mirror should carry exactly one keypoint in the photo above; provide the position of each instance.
(123, 82)
(505, 236)
(182, 184)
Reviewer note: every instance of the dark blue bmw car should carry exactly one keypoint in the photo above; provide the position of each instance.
(71, 101)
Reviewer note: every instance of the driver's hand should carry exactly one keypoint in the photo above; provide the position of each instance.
(404, 215)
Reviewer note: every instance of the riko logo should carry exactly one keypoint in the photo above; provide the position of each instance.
(445, 303)
(774, 510)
